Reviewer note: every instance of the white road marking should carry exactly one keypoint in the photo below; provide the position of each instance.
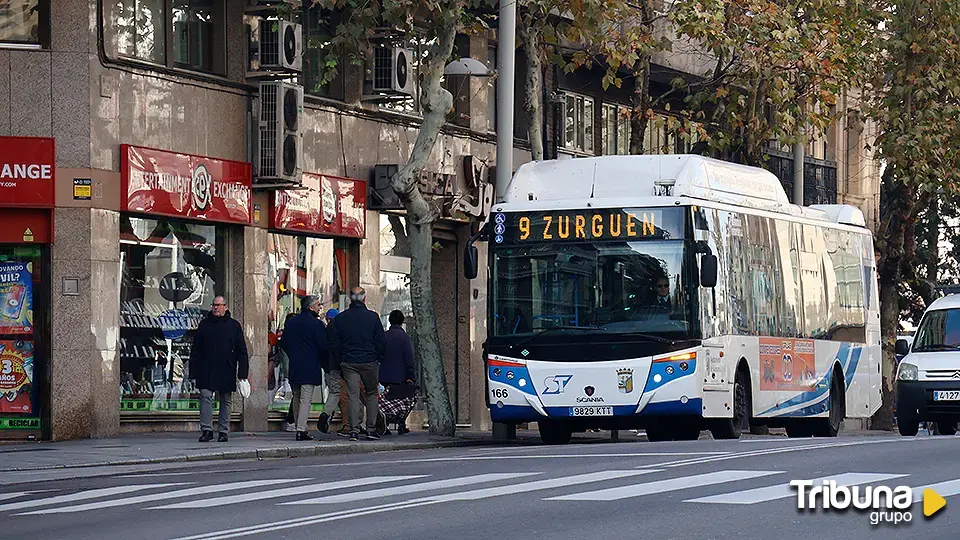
(539, 485)
(190, 492)
(285, 492)
(8, 496)
(187, 473)
(410, 488)
(516, 457)
(784, 491)
(84, 495)
(468, 495)
(764, 452)
(944, 489)
(662, 486)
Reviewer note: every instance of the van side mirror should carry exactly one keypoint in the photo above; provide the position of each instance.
(470, 263)
(708, 270)
(902, 347)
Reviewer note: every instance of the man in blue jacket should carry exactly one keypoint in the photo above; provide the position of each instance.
(305, 342)
(358, 347)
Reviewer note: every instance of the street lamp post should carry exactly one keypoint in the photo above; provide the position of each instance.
(506, 73)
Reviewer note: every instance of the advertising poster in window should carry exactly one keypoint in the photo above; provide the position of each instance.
(787, 364)
(16, 295)
(16, 379)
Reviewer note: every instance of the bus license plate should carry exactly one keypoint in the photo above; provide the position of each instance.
(946, 395)
(591, 411)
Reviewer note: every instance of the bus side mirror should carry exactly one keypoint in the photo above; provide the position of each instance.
(708, 271)
(470, 261)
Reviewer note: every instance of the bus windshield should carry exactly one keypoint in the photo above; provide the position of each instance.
(608, 287)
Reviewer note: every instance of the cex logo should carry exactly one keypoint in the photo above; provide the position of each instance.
(885, 504)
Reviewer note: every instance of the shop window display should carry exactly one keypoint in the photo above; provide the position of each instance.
(20, 270)
(171, 272)
(299, 266)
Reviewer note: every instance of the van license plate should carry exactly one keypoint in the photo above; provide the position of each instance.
(591, 411)
(946, 395)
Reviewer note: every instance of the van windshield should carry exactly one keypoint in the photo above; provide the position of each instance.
(939, 331)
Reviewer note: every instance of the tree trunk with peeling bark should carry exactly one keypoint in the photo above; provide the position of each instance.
(421, 214)
(534, 86)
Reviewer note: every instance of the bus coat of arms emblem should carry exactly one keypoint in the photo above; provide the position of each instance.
(625, 380)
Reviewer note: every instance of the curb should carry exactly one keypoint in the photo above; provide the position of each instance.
(366, 447)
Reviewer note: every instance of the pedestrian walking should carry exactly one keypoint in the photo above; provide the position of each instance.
(398, 374)
(333, 378)
(218, 358)
(358, 347)
(305, 342)
(398, 366)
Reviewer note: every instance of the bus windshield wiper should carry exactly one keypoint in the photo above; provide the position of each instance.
(551, 329)
(650, 337)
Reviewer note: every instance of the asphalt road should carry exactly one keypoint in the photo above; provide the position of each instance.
(673, 490)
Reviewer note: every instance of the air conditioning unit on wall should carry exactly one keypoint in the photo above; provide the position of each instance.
(281, 46)
(393, 71)
(280, 140)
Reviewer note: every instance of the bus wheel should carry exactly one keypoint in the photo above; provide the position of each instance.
(830, 426)
(553, 432)
(731, 428)
(944, 428)
(659, 431)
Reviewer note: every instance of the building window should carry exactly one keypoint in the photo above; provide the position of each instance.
(578, 124)
(198, 29)
(188, 34)
(616, 129)
(171, 272)
(24, 23)
(298, 266)
(319, 30)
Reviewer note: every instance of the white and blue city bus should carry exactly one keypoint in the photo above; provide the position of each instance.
(675, 293)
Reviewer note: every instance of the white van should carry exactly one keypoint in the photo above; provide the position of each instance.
(928, 377)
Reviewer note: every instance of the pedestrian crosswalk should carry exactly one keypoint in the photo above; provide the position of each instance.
(386, 492)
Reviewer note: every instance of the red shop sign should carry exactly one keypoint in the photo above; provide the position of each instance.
(184, 185)
(326, 205)
(27, 170)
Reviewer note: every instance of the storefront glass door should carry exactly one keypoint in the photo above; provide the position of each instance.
(21, 342)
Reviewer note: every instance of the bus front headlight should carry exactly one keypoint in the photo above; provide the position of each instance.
(907, 372)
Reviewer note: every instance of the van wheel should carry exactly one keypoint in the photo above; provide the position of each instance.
(552, 432)
(830, 426)
(732, 428)
(908, 427)
(944, 428)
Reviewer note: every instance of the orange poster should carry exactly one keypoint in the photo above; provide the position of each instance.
(787, 364)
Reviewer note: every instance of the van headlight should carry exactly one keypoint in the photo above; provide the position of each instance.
(907, 372)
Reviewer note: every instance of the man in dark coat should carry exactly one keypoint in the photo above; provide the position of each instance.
(305, 342)
(397, 366)
(358, 347)
(217, 359)
(333, 379)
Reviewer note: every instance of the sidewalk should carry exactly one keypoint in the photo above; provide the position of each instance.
(136, 449)
(173, 447)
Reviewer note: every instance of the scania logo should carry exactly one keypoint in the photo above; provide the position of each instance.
(589, 400)
(588, 390)
(202, 181)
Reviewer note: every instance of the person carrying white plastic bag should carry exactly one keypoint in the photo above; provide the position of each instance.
(217, 359)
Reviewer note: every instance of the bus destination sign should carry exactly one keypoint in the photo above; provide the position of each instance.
(589, 225)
